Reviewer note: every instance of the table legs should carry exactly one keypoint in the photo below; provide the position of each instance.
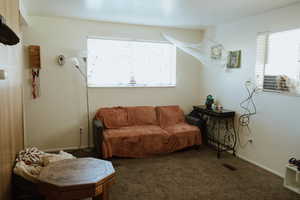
(53, 198)
(104, 195)
(97, 197)
(222, 135)
(234, 137)
(218, 140)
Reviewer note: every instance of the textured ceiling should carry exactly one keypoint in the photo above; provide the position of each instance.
(175, 13)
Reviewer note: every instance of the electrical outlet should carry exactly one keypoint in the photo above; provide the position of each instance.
(81, 130)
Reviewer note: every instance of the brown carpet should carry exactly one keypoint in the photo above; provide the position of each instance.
(195, 175)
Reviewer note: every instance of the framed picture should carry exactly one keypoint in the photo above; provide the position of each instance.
(234, 59)
(216, 52)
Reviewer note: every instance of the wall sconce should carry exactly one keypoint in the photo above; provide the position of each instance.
(61, 59)
(74, 61)
(3, 74)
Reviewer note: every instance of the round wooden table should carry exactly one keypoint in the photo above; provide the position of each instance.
(77, 179)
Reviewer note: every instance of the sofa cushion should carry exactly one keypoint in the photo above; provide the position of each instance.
(115, 117)
(182, 128)
(142, 115)
(134, 131)
(185, 134)
(169, 115)
(135, 141)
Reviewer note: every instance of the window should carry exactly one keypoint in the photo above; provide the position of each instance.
(119, 63)
(278, 61)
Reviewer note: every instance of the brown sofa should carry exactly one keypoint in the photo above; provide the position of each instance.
(143, 130)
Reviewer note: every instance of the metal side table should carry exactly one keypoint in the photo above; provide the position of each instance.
(220, 131)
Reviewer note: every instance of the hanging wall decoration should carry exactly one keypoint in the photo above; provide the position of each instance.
(234, 59)
(216, 52)
(35, 65)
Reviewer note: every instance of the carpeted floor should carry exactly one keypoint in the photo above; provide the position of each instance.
(195, 175)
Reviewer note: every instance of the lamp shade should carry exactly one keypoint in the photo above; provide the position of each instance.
(74, 61)
(7, 36)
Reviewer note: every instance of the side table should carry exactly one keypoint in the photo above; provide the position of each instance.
(220, 131)
(77, 179)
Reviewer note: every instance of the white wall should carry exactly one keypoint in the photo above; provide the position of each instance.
(53, 120)
(276, 127)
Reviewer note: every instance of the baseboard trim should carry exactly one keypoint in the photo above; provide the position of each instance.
(65, 148)
(261, 166)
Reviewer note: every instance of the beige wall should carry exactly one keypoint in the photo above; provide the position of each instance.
(275, 128)
(53, 120)
(11, 120)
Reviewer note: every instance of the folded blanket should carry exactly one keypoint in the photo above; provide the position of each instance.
(30, 162)
(48, 158)
(30, 156)
(28, 172)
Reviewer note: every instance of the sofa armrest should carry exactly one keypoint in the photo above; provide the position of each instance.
(98, 129)
(98, 124)
(200, 123)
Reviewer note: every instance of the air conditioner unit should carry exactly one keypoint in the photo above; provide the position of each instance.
(275, 83)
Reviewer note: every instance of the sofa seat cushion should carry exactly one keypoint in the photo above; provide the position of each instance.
(135, 141)
(185, 135)
(115, 117)
(142, 115)
(169, 115)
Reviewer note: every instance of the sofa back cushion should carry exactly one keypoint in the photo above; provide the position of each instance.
(169, 115)
(142, 115)
(115, 117)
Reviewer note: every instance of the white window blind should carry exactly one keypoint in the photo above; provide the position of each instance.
(277, 61)
(261, 58)
(119, 63)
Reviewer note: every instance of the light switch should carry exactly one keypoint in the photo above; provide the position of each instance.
(3, 74)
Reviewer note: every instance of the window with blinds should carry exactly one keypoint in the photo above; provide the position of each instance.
(120, 63)
(278, 61)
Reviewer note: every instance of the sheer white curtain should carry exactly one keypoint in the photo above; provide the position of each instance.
(283, 54)
(117, 63)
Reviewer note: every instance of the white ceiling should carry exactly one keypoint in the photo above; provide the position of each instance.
(175, 13)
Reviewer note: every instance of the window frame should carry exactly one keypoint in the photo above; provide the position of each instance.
(261, 67)
(135, 85)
